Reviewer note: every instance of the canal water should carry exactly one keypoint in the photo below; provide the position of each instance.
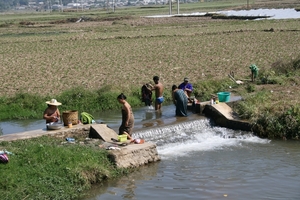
(198, 160)
(202, 161)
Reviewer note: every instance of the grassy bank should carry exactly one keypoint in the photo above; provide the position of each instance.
(43, 168)
(32, 106)
(272, 102)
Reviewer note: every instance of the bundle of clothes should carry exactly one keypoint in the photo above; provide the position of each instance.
(147, 94)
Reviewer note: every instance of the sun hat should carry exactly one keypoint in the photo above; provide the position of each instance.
(186, 80)
(53, 102)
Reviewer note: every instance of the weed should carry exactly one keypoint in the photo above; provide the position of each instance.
(250, 88)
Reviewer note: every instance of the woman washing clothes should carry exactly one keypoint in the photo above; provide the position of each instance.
(127, 117)
(52, 114)
(180, 100)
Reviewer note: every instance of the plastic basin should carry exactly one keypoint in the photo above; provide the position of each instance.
(122, 138)
(223, 96)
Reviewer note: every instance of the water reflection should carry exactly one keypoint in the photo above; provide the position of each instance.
(125, 187)
(15, 126)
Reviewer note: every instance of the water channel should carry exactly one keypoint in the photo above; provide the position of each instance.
(198, 160)
(203, 161)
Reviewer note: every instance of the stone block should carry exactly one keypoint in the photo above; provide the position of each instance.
(134, 155)
(102, 131)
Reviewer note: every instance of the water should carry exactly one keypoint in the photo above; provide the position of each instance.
(144, 117)
(200, 161)
(287, 13)
(16, 126)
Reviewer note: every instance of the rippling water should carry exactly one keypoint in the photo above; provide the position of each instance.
(200, 161)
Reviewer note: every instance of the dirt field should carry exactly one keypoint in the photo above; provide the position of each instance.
(126, 52)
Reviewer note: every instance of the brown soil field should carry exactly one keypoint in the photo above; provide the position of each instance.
(121, 53)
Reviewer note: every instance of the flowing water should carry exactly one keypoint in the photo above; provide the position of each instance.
(203, 161)
(198, 161)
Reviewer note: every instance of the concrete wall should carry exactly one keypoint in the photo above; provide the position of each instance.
(134, 155)
(222, 120)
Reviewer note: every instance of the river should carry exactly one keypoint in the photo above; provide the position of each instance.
(203, 161)
(198, 160)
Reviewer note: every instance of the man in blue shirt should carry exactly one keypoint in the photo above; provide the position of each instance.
(186, 87)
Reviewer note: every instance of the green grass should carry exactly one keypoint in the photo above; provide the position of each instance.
(42, 168)
(29, 106)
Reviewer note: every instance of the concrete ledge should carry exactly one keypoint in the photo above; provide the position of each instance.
(63, 132)
(134, 155)
(223, 116)
(129, 156)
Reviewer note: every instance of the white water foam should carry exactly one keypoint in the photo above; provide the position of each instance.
(197, 136)
(208, 141)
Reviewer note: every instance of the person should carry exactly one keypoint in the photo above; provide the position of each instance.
(186, 87)
(147, 94)
(51, 113)
(180, 100)
(159, 88)
(127, 117)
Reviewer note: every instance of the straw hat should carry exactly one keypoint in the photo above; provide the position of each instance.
(53, 102)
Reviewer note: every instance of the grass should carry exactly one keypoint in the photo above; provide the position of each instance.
(43, 168)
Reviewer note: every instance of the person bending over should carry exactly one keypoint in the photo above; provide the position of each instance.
(180, 100)
(186, 87)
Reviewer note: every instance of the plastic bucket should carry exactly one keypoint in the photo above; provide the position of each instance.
(223, 96)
